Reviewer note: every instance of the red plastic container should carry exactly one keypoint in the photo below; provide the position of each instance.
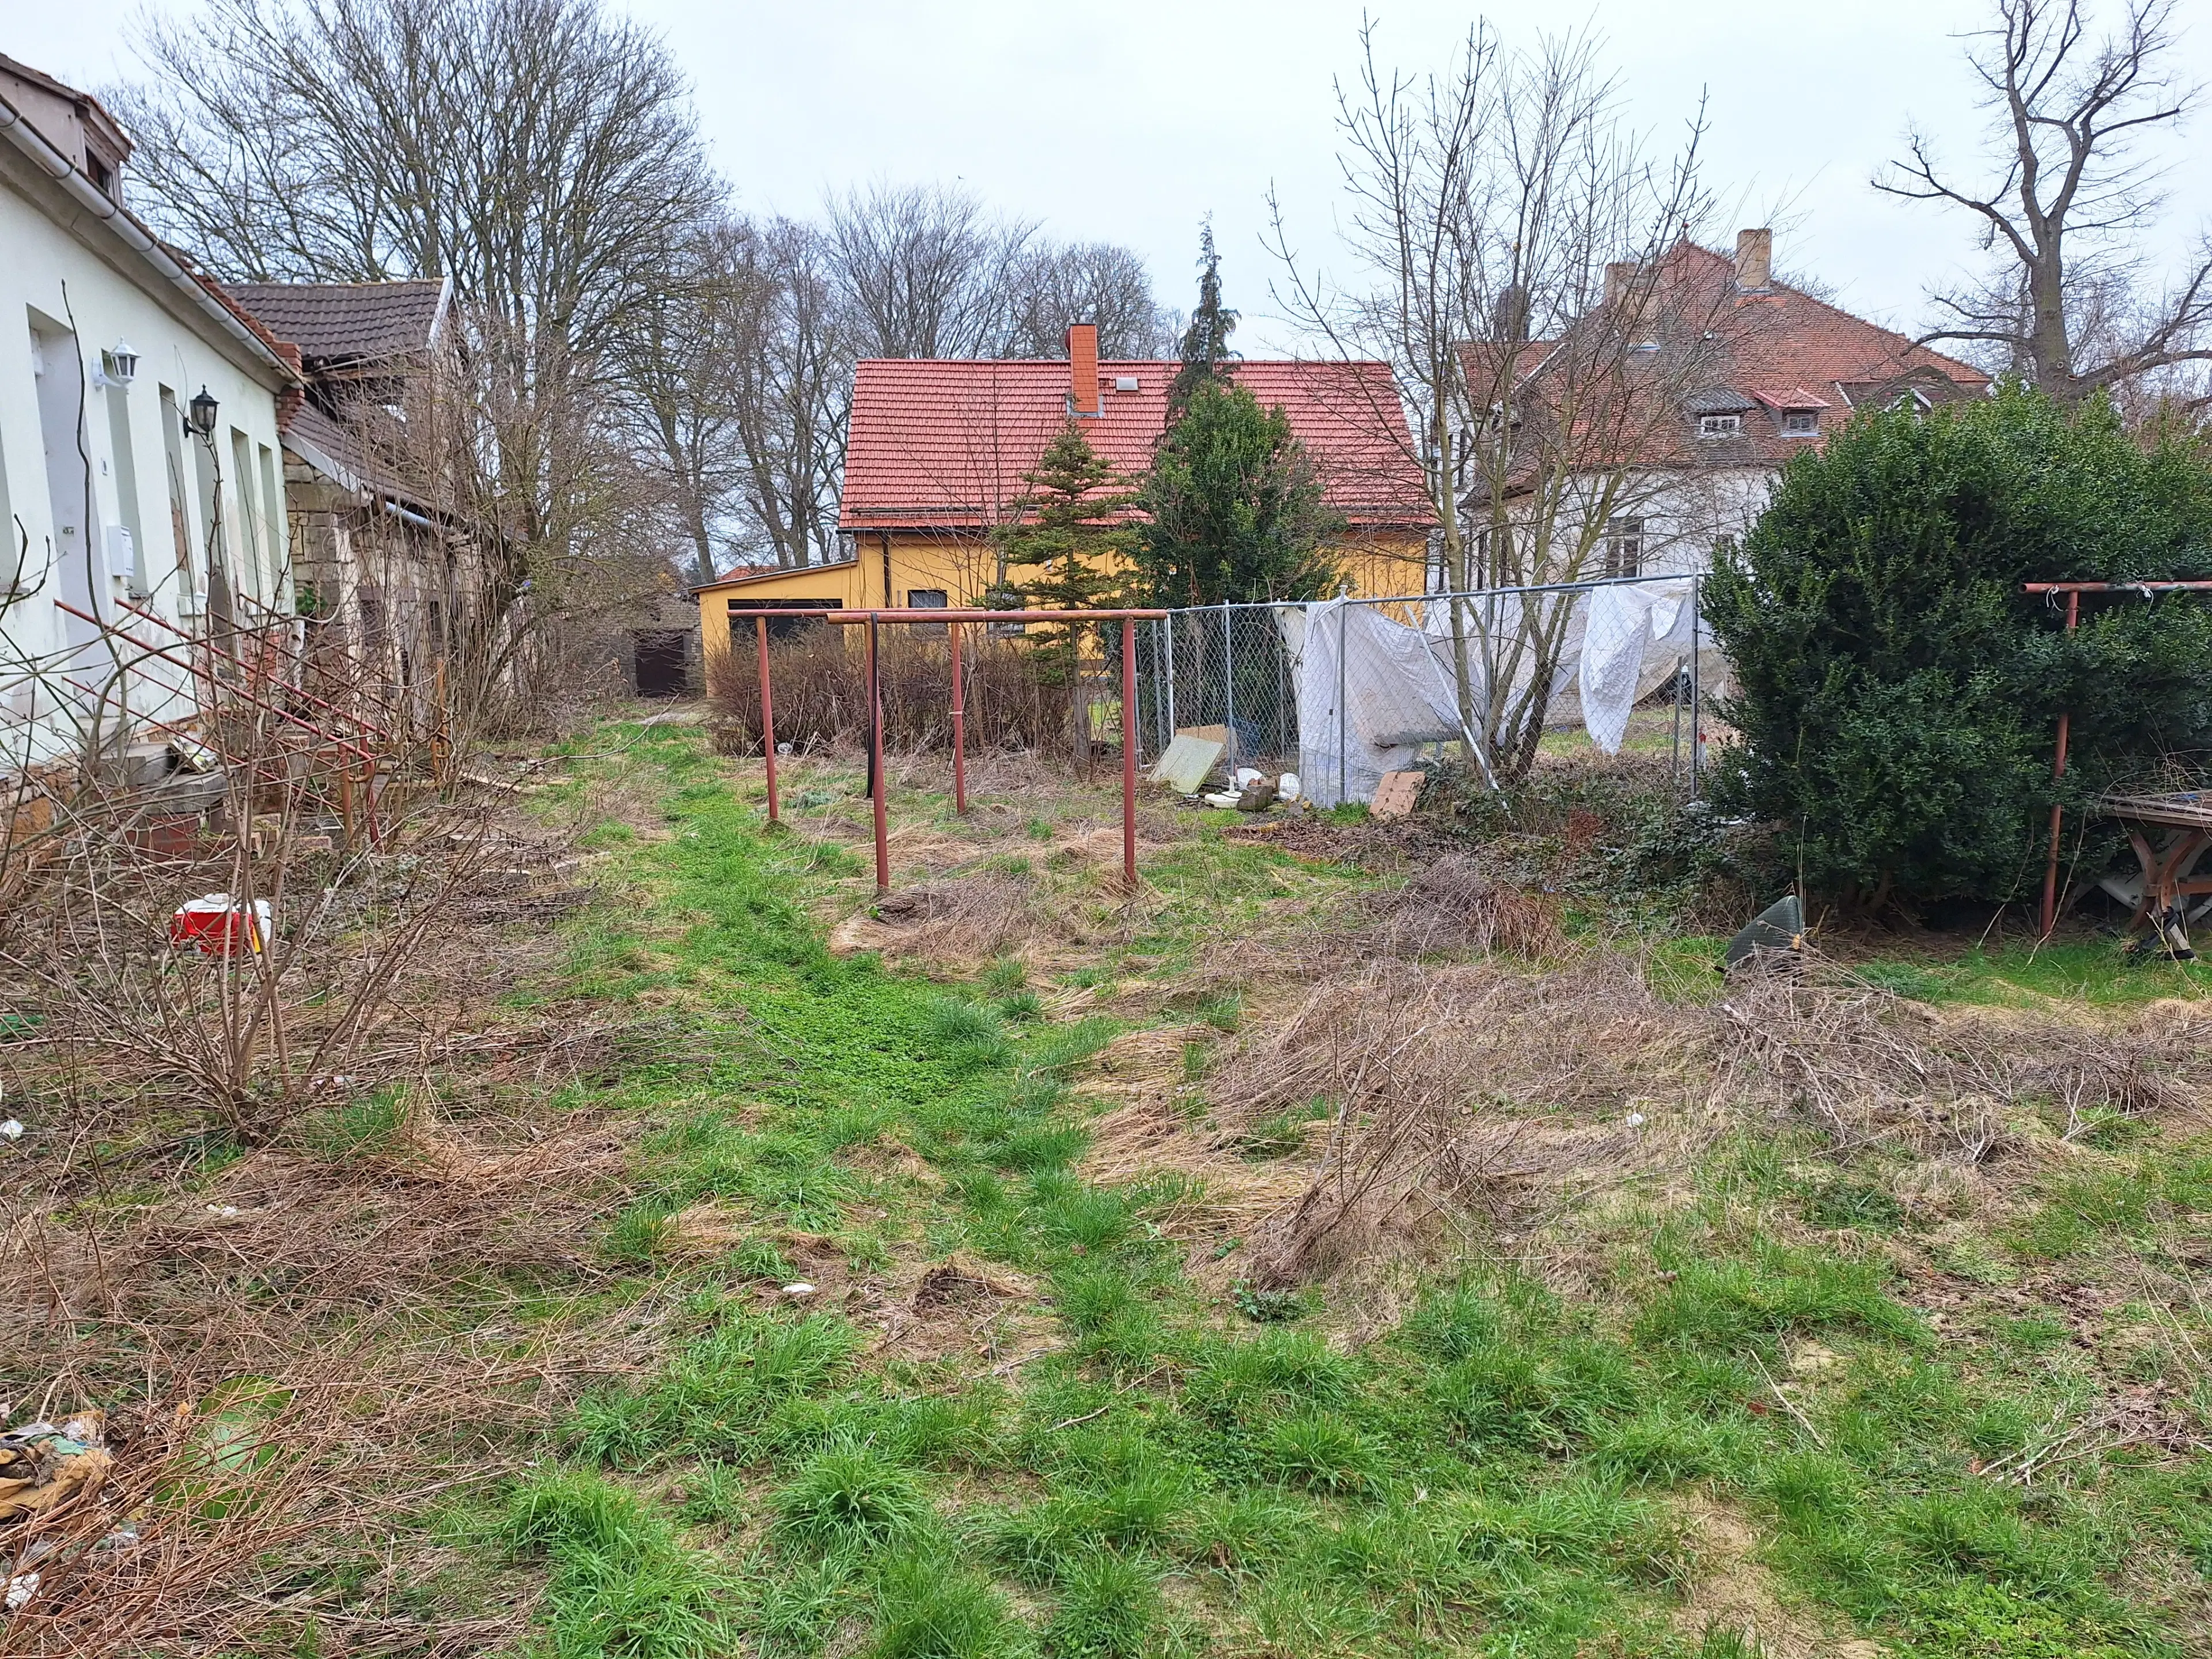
(215, 926)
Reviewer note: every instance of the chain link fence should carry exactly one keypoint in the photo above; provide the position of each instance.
(1235, 670)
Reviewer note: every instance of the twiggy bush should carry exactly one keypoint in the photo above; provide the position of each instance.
(821, 692)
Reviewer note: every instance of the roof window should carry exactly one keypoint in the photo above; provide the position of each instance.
(1719, 426)
(1800, 423)
(1125, 383)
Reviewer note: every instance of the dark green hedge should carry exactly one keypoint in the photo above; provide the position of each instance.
(1896, 692)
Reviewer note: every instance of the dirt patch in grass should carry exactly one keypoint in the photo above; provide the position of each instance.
(1734, 1592)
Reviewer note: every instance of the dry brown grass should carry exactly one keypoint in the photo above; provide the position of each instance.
(1471, 1093)
(1453, 906)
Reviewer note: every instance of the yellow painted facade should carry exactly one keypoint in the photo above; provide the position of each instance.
(894, 565)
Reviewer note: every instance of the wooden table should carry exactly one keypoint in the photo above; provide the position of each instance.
(2186, 816)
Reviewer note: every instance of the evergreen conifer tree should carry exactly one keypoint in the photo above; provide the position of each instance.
(1236, 509)
(1206, 342)
(1068, 530)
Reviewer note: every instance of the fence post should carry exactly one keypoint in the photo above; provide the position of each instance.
(1697, 617)
(1343, 754)
(959, 727)
(768, 716)
(1229, 685)
(1168, 622)
(1129, 753)
(876, 763)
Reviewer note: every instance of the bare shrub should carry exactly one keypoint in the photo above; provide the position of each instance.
(1425, 1070)
(1457, 906)
(251, 1034)
(820, 684)
(1474, 1089)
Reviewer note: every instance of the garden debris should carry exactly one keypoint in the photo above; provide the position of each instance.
(1186, 761)
(1775, 937)
(43, 1465)
(955, 921)
(1397, 794)
(962, 1277)
(215, 926)
(1454, 905)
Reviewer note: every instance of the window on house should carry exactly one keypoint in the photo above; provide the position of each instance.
(1623, 547)
(1719, 426)
(927, 598)
(1800, 423)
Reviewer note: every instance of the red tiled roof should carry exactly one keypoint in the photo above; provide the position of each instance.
(1772, 350)
(938, 442)
(1792, 351)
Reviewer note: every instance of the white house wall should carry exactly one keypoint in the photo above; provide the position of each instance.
(59, 266)
(1684, 513)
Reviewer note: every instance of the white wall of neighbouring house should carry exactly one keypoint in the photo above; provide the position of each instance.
(105, 500)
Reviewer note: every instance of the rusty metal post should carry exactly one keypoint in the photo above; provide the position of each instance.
(1129, 753)
(959, 727)
(876, 764)
(2050, 918)
(768, 717)
(345, 800)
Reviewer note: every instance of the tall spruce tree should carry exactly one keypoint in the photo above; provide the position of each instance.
(1070, 528)
(1236, 508)
(1206, 342)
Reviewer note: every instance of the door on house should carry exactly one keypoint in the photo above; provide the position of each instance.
(660, 654)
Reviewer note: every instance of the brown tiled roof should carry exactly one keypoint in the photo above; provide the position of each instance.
(341, 322)
(945, 442)
(1773, 350)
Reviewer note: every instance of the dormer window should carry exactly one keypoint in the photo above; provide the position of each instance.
(1719, 426)
(1800, 423)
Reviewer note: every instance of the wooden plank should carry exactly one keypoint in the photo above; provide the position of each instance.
(1397, 794)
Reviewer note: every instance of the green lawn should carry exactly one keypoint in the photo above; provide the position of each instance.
(1504, 1467)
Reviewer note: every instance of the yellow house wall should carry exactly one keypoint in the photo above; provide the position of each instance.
(963, 567)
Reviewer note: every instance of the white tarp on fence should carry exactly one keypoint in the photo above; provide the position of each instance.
(1398, 681)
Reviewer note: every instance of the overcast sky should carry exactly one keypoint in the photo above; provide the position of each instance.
(1127, 122)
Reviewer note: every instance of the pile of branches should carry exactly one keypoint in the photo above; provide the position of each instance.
(1475, 1091)
(1457, 906)
(1454, 1088)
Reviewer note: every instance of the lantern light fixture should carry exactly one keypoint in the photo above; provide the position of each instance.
(125, 362)
(202, 410)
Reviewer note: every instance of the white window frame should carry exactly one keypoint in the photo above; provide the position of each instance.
(1719, 426)
(1801, 422)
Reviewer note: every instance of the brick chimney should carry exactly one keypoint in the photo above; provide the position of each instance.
(1083, 369)
(1754, 260)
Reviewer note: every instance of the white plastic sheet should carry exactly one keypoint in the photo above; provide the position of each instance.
(1619, 643)
(1394, 697)
(1634, 634)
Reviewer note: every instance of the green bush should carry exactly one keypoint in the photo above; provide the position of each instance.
(1897, 693)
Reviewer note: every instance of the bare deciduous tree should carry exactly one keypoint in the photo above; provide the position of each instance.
(538, 153)
(685, 366)
(924, 270)
(793, 390)
(1085, 282)
(2068, 302)
(1513, 237)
